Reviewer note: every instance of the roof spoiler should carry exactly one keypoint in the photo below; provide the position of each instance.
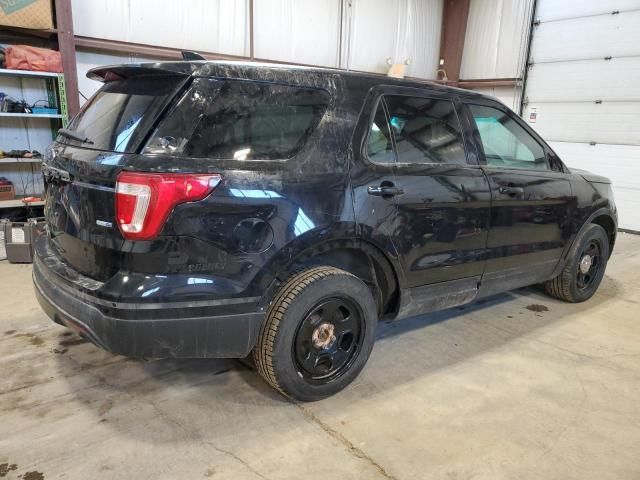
(120, 72)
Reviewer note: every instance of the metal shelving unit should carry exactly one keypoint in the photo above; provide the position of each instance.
(31, 115)
(56, 98)
(13, 160)
(18, 202)
(27, 73)
(61, 90)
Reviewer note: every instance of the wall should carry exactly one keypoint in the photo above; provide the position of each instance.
(496, 39)
(496, 44)
(354, 34)
(210, 25)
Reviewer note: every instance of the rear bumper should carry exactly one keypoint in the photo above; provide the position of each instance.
(147, 330)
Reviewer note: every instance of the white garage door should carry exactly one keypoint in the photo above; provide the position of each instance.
(584, 87)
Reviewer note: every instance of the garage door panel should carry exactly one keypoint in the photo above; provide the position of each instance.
(587, 38)
(628, 203)
(614, 123)
(620, 163)
(554, 10)
(587, 80)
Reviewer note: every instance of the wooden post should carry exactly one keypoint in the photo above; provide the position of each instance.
(67, 46)
(454, 29)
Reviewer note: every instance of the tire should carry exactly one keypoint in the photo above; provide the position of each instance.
(568, 286)
(309, 347)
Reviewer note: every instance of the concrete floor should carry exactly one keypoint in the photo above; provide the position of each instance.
(521, 386)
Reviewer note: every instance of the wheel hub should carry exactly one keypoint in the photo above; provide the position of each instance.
(585, 264)
(323, 336)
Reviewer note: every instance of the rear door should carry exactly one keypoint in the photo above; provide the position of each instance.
(531, 199)
(414, 187)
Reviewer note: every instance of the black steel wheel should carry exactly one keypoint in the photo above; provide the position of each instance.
(328, 339)
(584, 268)
(588, 265)
(318, 334)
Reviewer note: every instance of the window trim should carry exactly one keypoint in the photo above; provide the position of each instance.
(534, 136)
(379, 100)
(416, 93)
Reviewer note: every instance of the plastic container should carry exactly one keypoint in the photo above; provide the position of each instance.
(19, 238)
(44, 111)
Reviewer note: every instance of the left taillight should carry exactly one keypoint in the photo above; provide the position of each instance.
(145, 200)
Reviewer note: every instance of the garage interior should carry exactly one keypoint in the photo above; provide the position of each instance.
(515, 386)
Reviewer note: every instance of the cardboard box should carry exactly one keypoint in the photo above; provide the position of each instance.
(7, 192)
(36, 14)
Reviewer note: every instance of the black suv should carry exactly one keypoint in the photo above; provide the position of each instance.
(204, 209)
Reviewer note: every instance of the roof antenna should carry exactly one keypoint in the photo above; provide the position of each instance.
(187, 56)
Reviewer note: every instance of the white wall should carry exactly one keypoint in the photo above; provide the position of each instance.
(496, 39)
(210, 25)
(355, 34)
(510, 96)
(299, 31)
(400, 30)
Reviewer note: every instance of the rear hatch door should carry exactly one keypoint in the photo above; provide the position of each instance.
(80, 169)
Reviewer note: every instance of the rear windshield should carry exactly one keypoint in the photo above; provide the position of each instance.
(241, 120)
(120, 114)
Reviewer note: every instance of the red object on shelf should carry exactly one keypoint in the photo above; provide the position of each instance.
(26, 57)
(7, 192)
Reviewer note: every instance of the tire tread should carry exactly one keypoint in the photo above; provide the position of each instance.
(263, 353)
(560, 286)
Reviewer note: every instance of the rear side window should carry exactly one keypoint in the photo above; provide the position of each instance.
(120, 114)
(240, 120)
(421, 130)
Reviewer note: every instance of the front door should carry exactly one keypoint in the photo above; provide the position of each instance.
(414, 188)
(531, 200)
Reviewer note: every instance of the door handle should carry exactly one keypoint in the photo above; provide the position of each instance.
(511, 191)
(384, 191)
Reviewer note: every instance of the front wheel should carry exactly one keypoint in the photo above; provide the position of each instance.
(585, 267)
(318, 334)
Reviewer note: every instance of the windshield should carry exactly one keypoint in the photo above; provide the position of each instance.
(120, 114)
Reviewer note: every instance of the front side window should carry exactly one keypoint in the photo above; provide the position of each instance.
(241, 120)
(425, 130)
(505, 142)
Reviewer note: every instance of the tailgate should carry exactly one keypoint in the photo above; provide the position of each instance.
(80, 169)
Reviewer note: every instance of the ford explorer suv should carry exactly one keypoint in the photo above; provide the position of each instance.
(204, 209)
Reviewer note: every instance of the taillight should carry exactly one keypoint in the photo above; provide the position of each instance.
(145, 200)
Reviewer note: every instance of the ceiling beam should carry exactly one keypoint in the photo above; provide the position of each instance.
(489, 82)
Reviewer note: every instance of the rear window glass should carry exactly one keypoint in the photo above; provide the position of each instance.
(240, 120)
(120, 114)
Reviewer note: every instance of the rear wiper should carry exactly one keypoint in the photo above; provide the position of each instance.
(65, 132)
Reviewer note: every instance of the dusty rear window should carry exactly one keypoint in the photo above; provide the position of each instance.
(119, 116)
(240, 120)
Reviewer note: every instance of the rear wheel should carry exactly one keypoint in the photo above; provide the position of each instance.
(318, 334)
(584, 269)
